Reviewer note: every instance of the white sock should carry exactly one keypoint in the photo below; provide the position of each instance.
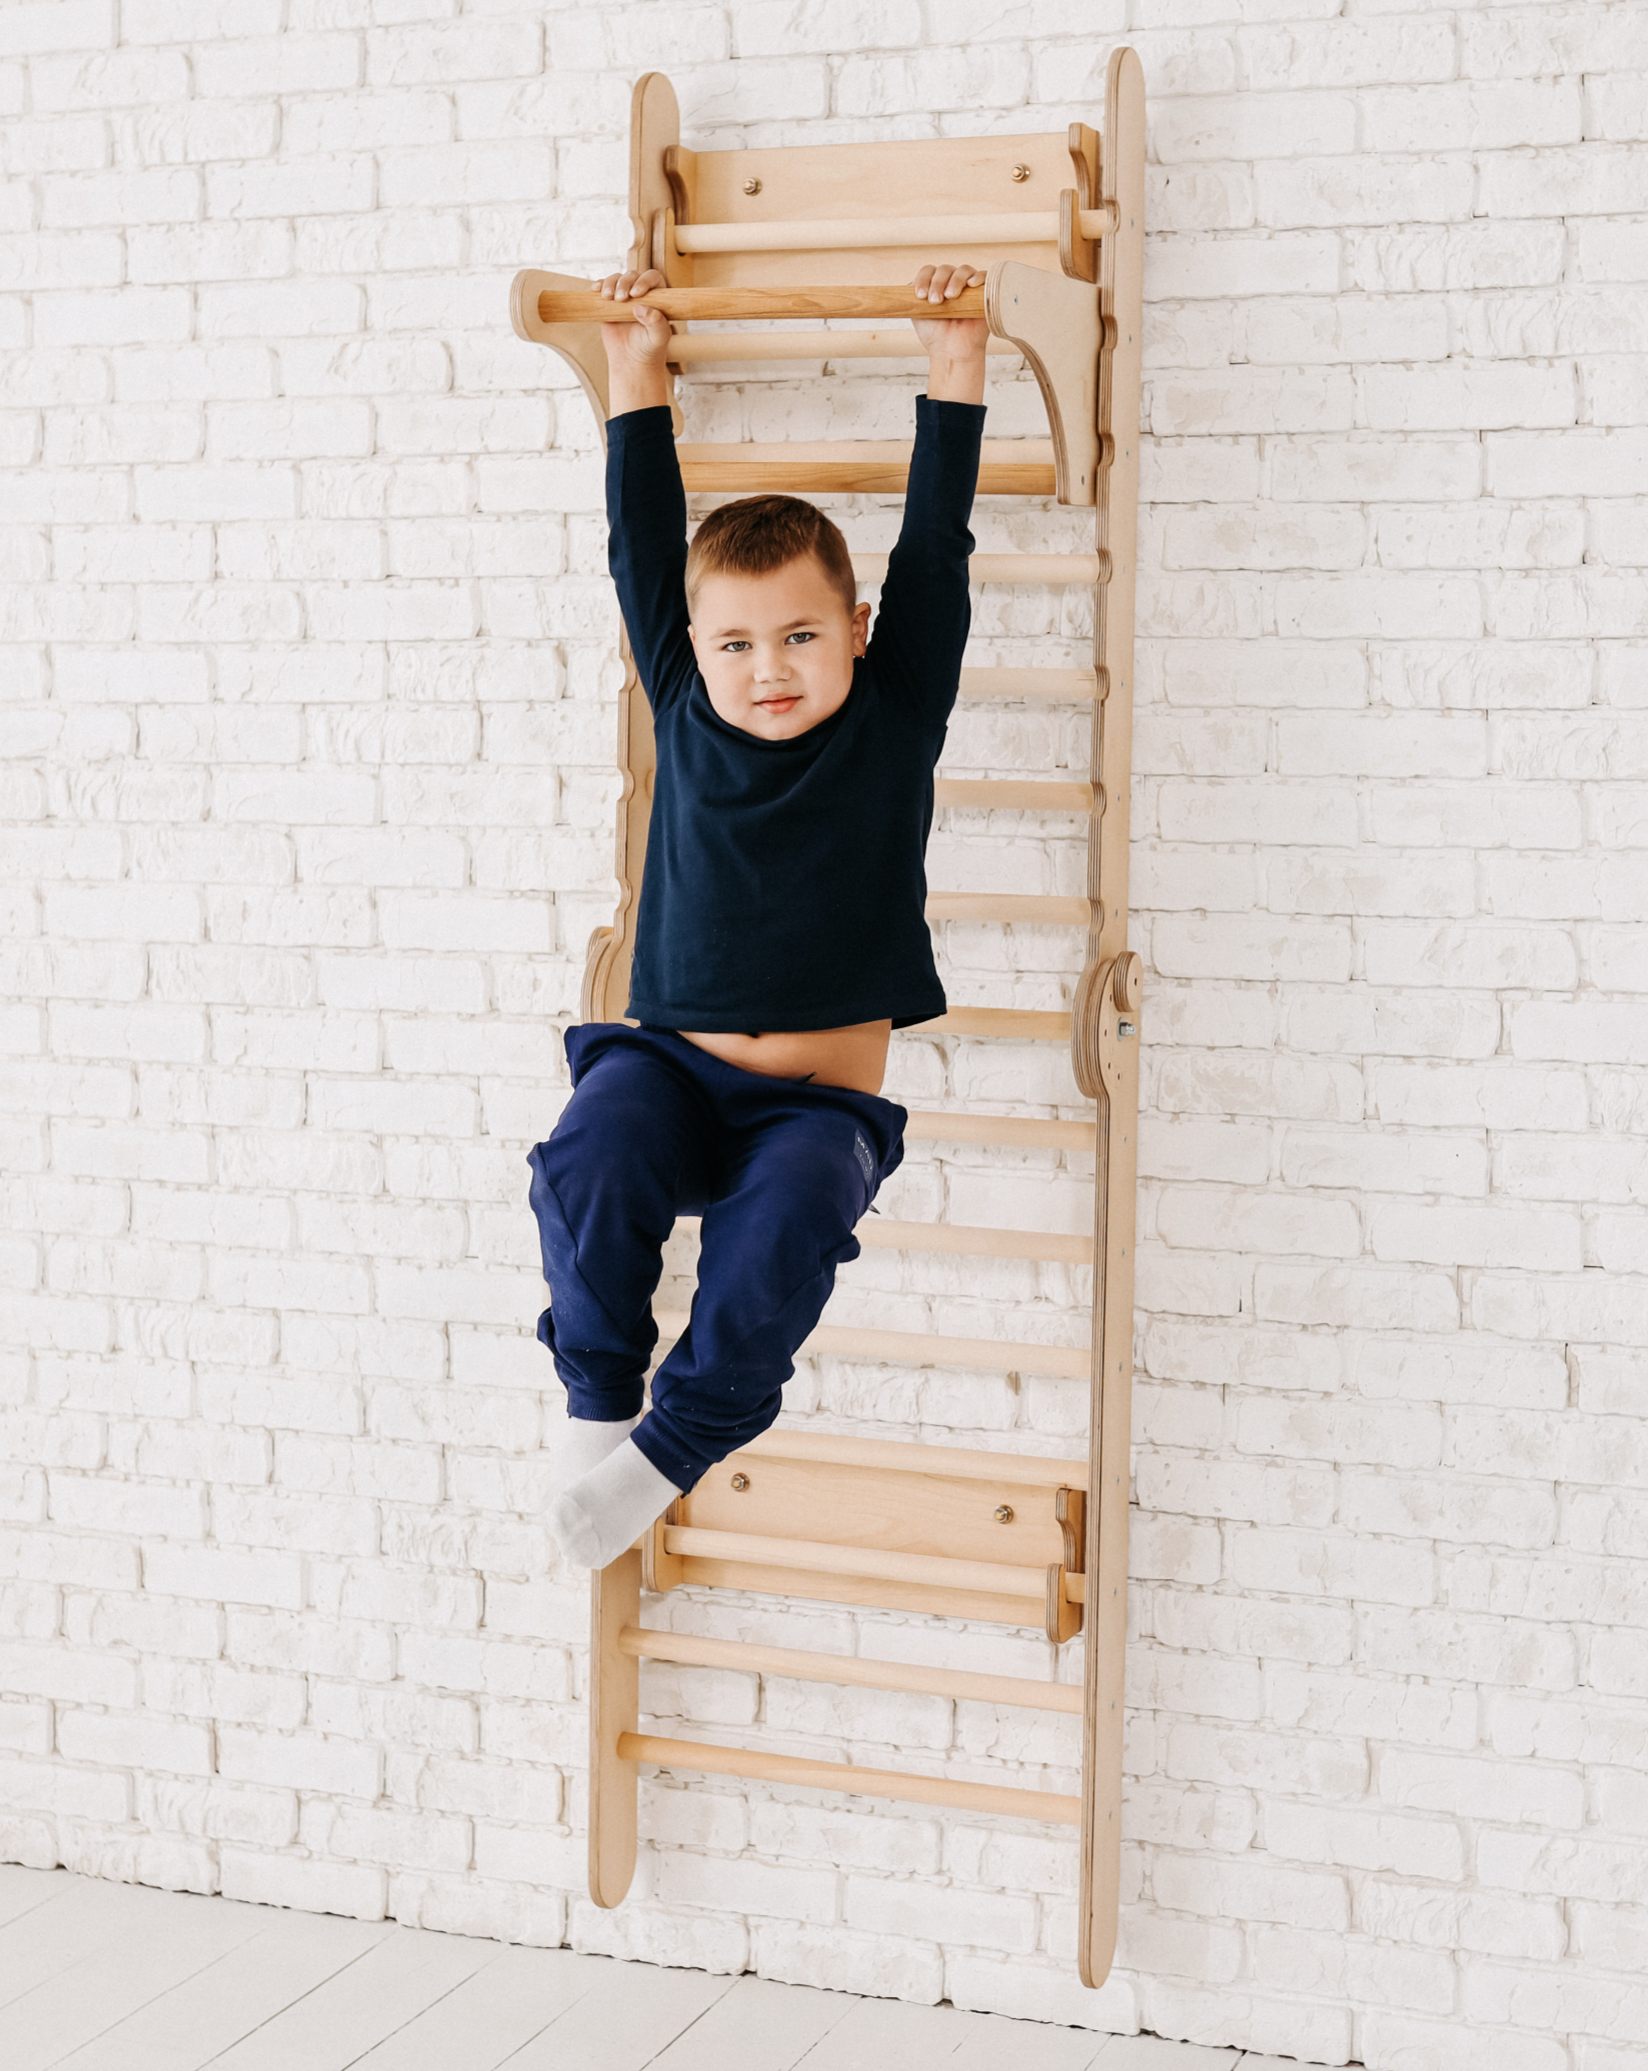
(605, 1513)
(583, 1444)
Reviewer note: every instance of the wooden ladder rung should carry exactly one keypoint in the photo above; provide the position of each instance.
(1029, 910)
(871, 1563)
(691, 1650)
(850, 233)
(1009, 794)
(1086, 569)
(695, 347)
(1067, 686)
(923, 1348)
(1008, 467)
(1022, 1022)
(878, 1235)
(1004, 1800)
(930, 1125)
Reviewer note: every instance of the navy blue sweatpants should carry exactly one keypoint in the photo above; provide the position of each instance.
(780, 1170)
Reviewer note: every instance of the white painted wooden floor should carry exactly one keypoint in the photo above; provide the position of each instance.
(113, 1977)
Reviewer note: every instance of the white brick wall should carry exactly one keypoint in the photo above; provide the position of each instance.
(306, 724)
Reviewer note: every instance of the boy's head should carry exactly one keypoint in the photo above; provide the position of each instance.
(775, 621)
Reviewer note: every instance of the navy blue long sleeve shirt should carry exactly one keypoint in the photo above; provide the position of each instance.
(785, 881)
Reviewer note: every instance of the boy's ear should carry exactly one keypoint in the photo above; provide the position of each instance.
(861, 628)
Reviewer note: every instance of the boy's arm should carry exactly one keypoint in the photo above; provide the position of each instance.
(921, 627)
(646, 504)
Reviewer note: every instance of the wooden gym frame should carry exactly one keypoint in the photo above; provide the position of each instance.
(810, 233)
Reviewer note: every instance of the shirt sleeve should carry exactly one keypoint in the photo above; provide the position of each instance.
(921, 627)
(647, 549)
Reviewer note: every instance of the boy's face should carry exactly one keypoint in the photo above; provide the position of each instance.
(776, 651)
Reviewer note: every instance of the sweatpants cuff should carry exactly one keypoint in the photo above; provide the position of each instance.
(664, 1450)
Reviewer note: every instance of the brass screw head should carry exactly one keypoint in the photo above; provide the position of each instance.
(1004, 1513)
(741, 1482)
(1021, 173)
(752, 185)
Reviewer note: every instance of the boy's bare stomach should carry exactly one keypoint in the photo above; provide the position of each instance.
(855, 1057)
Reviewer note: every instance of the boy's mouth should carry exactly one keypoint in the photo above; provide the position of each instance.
(778, 704)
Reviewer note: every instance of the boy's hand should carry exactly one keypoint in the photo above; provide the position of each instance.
(955, 345)
(636, 374)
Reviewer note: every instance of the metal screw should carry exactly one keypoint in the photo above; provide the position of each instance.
(752, 185)
(1021, 172)
(1004, 1513)
(1126, 1028)
(741, 1482)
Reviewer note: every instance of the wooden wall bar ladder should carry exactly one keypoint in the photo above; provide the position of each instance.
(808, 235)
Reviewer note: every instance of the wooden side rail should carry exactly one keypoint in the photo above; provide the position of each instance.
(846, 1777)
(852, 1671)
(937, 234)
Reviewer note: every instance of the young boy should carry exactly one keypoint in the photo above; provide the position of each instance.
(781, 935)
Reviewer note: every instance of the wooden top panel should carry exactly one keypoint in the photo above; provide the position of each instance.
(945, 176)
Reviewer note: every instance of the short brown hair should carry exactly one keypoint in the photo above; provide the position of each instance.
(759, 534)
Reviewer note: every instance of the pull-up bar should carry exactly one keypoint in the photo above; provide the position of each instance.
(750, 305)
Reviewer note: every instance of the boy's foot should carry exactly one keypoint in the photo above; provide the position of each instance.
(584, 1444)
(604, 1514)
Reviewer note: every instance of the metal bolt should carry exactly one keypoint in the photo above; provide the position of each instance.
(1021, 172)
(741, 1482)
(1004, 1513)
(1126, 1028)
(752, 185)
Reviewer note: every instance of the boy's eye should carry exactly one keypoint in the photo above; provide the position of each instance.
(800, 636)
(734, 646)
